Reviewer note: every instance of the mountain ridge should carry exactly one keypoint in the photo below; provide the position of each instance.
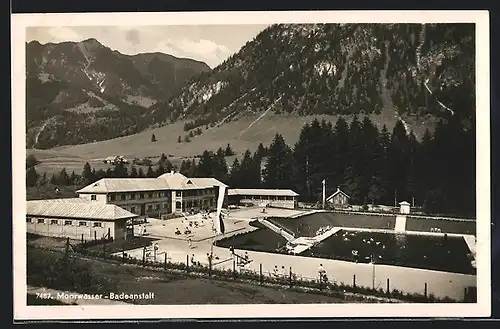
(418, 73)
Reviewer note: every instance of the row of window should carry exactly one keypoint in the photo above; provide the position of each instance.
(153, 195)
(273, 198)
(63, 222)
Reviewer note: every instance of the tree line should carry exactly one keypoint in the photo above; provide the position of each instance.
(371, 165)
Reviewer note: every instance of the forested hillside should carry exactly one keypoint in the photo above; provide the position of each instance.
(416, 71)
(83, 91)
(408, 69)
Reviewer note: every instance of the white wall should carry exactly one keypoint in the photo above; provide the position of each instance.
(100, 198)
(73, 231)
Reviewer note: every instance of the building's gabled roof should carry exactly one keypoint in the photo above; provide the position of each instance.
(337, 192)
(168, 181)
(177, 181)
(261, 192)
(106, 185)
(89, 210)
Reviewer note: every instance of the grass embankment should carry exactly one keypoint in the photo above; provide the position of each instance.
(49, 269)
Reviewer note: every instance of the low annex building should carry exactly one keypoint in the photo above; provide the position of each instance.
(167, 194)
(263, 197)
(77, 218)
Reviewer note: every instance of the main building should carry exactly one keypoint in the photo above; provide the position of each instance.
(167, 194)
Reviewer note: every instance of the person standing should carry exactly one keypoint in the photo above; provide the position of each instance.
(321, 273)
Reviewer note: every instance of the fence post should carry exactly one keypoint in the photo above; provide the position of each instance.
(187, 263)
(144, 256)
(354, 280)
(260, 273)
(291, 281)
(95, 235)
(82, 238)
(388, 291)
(465, 294)
(123, 253)
(165, 262)
(209, 266)
(425, 289)
(234, 267)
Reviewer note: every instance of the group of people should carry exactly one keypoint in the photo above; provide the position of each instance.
(277, 273)
(322, 230)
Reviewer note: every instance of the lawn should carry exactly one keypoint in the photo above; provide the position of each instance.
(308, 225)
(48, 191)
(169, 289)
(418, 251)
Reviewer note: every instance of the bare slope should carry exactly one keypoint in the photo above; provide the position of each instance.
(242, 134)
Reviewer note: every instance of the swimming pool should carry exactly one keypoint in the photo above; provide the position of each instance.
(441, 253)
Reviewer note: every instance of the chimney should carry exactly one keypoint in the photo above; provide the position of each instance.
(338, 188)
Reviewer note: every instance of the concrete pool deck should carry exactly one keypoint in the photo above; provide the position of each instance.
(408, 280)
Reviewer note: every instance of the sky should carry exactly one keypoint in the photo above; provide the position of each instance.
(211, 44)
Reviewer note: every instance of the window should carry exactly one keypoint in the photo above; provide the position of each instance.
(150, 207)
(123, 197)
(157, 206)
(132, 209)
(165, 205)
(97, 224)
(68, 222)
(178, 194)
(28, 220)
(82, 223)
(141, 195)
(40, 221)
(151, 195)
(178, 205)
(112, 197)
(93, 197)
(132, 196)
(54, 222)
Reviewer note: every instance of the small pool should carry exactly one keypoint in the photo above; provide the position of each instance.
(439, 253)
(262, 239)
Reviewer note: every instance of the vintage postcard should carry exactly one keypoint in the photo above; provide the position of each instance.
(211, 165)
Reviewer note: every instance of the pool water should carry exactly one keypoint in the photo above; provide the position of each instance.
(439, 253)
(262, 239)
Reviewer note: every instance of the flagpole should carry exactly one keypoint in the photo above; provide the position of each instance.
(324, 192)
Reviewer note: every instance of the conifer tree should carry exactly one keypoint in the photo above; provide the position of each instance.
(150, 173)
(87, 175)
(205, 165)
(140, 173)
(31, 176)
(234, 175)
(279, 166)
(133, 172)
(229, 151)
